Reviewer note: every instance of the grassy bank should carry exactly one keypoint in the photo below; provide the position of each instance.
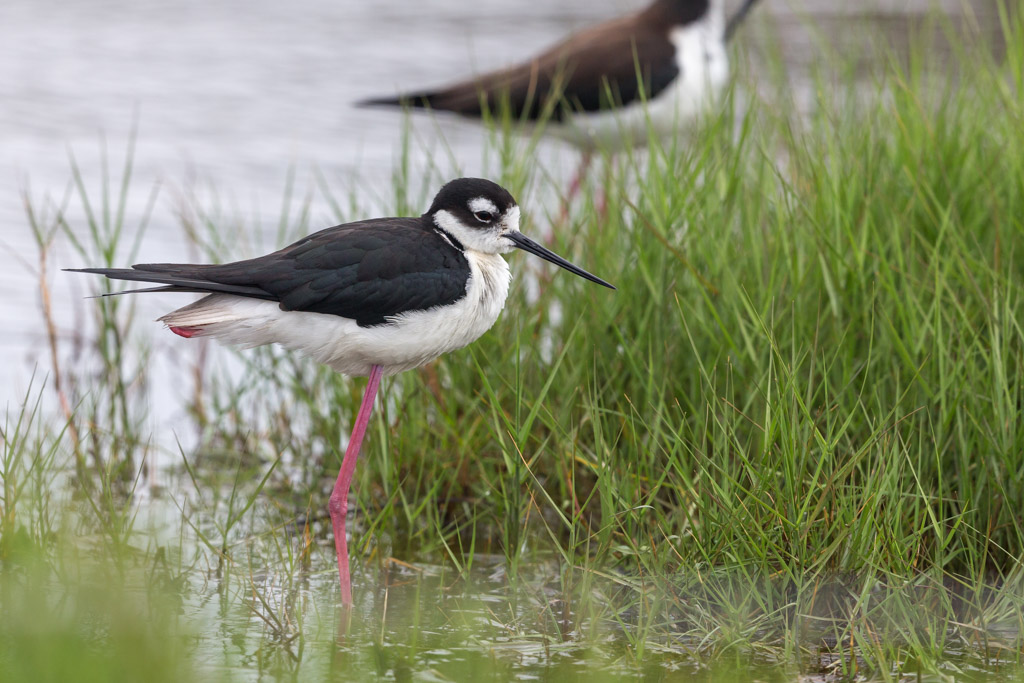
(791, 442)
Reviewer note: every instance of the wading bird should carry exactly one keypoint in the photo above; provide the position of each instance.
(608, 86)
(375, 297)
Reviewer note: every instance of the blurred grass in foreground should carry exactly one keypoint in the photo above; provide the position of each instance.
(791, 443)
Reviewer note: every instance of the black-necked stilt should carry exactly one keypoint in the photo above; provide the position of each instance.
(606, 87)
(374, 297)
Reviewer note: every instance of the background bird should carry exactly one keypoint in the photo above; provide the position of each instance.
(374, 297)
(607, 87)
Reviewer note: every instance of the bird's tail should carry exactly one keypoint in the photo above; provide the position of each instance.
(175, 277)
(231, 319)
(415, 100)
(198, 315)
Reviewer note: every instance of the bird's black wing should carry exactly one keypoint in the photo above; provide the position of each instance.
(612, 64)
(365, 271)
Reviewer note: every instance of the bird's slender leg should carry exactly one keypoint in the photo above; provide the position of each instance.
(576, 183)
(601, 202)
(338, 503)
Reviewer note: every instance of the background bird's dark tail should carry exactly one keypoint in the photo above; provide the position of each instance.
(737, 19)
(416, 100)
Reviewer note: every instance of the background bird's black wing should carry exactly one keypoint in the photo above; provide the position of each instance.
(364, 271)
(612, 64)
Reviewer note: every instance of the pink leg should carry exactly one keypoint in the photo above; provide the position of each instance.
(338, 503)
(576, 183)
(601, 203)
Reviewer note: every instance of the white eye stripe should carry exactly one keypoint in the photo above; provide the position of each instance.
(478, 204)
(474, 237)
(511, 218)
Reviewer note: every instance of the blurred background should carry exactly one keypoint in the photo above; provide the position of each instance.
(229, 98)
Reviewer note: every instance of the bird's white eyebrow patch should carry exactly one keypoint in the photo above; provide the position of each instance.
(478, 204)
(512, 217)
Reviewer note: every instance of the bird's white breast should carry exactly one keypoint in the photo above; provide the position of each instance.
(415, 338)
(407, 341)
(703, 73)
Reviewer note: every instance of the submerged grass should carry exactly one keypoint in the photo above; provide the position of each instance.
(790, 443)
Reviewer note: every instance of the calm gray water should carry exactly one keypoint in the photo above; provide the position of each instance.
(229, 95)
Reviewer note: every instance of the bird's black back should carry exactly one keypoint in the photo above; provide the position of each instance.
(364, 271)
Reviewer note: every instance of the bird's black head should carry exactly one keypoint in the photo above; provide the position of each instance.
(475, 202)
(477, 213)
(483, 217)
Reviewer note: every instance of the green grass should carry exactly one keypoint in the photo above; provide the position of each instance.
(791, 442)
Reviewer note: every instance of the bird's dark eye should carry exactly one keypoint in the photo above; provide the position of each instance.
(483, 216)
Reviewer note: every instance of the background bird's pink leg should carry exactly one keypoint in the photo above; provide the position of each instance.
(338, 503)
(575, 184)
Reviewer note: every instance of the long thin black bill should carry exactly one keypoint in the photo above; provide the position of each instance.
(737, 19)
(526, 244)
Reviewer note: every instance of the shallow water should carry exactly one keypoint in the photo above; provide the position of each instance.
(267, 614)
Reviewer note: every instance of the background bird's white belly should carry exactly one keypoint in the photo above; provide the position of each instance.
(407, 341)
(703, 72)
